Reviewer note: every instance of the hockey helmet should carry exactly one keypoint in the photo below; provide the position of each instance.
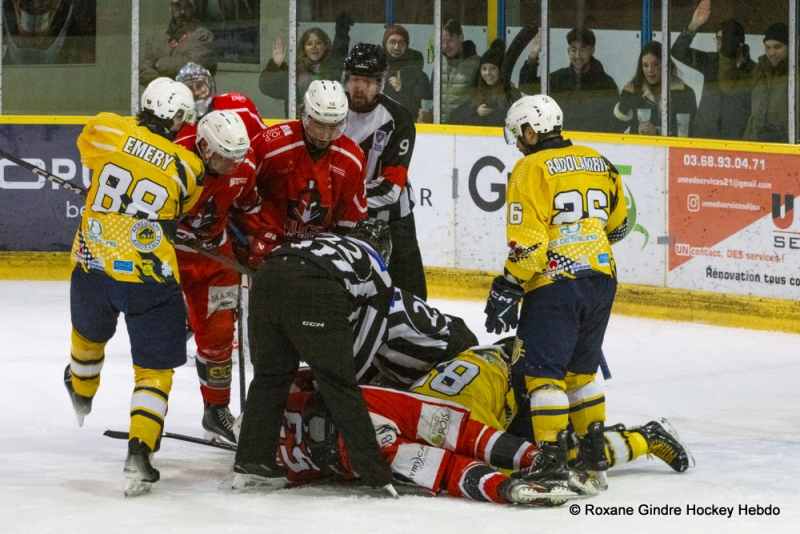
(366, 60)
(540, 112)
(168, 99)
(202, 84)
(326, 102)
(376, 234)
(226, 136)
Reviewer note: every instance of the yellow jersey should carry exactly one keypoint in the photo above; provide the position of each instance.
(141, 183)
(477, 379)
(566, 205)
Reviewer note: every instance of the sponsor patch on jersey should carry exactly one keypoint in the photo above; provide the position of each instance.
(166, 270)
(95, 227)
(147, 267)
(146, 236)
(603, 259)
(379, 141)
(238, 181)
(439, 425)
(419, 463)
(518, 252)
(96, 264)
(222, 298)
(286, 130)
(571, 240)
(337, 170)
(123, 266)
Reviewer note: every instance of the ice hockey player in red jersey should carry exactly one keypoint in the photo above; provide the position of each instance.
(429, 442)
(204, 88)
(210, 288)
(311, 178)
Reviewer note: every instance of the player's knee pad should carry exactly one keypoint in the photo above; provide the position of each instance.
(85, 364)
(149, 403)
(587, 402)
(549, 407)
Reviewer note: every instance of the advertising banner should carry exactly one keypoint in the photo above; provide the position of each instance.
(35, 214)
(732, 222)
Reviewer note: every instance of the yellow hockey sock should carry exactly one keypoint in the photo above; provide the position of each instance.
(623, 446)
(587, 402)
(86, 364)
(149, 403)
(549, 407)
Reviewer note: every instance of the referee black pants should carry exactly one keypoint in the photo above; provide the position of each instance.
(299, 312)
(405, 265)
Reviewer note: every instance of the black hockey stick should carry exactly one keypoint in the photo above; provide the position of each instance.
(521, 40)
(241, 340)
(231, 264)
(117, 434)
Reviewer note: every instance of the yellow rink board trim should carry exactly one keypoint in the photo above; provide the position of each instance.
(759, 313)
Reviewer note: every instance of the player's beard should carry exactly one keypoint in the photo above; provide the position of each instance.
(359, 103)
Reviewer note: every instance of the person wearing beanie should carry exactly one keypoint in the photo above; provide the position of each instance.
(406, 83)
(727, 73)
(769, 110)
(184, 41)
(585, 92)
(489, 104)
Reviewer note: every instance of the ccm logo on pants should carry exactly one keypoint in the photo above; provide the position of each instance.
(309, 323)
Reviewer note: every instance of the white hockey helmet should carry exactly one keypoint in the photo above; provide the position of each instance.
(540, 112)
(167, 99)
(325, 102)
(226, 136)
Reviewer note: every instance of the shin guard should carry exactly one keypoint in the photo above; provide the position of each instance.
(549, 407)
(149, 403)
(86, 364)
(587, 402)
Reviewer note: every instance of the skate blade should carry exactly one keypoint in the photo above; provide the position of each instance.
(582, 488)
(554, 497)
(134, 488)
(210, 435)
(80, 418)
(243, 483)
(599, 480)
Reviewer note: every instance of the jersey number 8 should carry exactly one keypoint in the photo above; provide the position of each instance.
(146, 198)
(454, 376)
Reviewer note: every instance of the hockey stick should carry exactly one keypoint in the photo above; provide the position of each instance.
(240, 336)
(513, 52)
(117, 434)
(231, 264)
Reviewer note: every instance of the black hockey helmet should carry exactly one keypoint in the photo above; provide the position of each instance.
(375, 233)
(321, 436)
(366, 60)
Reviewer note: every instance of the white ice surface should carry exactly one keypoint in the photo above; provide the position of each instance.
(731, 393)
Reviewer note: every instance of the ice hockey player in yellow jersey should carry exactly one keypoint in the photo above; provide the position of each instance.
(566, 206)
(124, 261)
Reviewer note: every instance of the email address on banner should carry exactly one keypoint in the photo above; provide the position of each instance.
(725, 182)
(730, 205)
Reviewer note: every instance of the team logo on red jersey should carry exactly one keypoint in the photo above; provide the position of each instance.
(306, 214)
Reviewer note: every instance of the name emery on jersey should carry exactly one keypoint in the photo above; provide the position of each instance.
(147, 152)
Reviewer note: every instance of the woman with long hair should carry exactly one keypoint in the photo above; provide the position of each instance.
(640, 101)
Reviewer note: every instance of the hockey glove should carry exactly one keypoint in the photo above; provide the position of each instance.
(501, 307)
(343, 23)
(262, 244)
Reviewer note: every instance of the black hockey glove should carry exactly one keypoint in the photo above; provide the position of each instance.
(501, 307)
(343, 23)
(627, 101)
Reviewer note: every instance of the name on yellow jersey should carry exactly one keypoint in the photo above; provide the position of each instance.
(574, 163)
(147, 152)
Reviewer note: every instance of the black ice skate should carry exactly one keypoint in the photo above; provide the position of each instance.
(664, 443)
(521, 492)
(82, 405)
(592, 455)
(251, 477)
(218, 422)
(139, 473)
(550, 470)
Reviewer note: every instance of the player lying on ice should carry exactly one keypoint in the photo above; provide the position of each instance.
(429, 442)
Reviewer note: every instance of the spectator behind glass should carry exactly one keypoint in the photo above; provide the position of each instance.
(642, 96)
(317, 59)
(727, 74)
(488, 105)
(460, 64)
(769, 112)
(185, 41)
(406, 83)
(585, 92)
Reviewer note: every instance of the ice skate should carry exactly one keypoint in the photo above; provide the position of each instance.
(664, 443)
(592, 456)
(218, 423)
(550, 470)
(82, 405)
(139, 473)
(253, 477)
(520, 492)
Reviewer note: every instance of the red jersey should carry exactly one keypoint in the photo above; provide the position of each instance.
(232, 195)
(243, 107)
(301, 197)
(426, 440)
